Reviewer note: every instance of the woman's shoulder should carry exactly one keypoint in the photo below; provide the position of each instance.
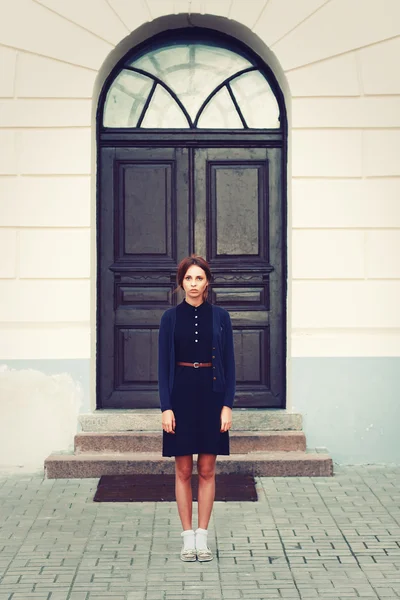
(169, 314)
(221, 312)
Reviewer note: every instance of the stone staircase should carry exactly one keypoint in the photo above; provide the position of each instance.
(264, 442)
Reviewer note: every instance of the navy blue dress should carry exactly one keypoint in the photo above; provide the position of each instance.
(196, 407)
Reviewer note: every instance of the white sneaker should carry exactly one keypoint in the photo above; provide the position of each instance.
(204, 555)
(188, 555)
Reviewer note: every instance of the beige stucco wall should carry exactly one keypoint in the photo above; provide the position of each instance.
(339, 60)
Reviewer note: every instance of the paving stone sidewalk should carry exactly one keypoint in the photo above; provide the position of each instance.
(307, 537)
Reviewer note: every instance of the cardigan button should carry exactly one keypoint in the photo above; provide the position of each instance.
(214, 378)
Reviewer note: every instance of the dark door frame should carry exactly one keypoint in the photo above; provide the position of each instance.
(195, 138)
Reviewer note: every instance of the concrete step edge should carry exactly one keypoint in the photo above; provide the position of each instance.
(158, 433)
(150, 420)
(153, 456)
(241, 442)
(272, 464)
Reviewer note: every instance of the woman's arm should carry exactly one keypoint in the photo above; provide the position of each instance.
(163, 363)
(229, 363)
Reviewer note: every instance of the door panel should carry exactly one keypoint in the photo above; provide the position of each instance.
(143, 226)
(237, 200)
(235, 224)
(146, 211)
(158, 205)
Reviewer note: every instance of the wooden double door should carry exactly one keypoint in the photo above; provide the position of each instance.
(158, 205)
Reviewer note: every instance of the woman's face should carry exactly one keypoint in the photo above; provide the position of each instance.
(194, 282)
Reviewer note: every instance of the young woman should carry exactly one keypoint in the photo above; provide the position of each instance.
(196, 378)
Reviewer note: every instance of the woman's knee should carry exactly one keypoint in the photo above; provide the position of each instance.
(206, 469)
(184, 468)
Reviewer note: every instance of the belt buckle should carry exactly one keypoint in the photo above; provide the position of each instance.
(196, 365)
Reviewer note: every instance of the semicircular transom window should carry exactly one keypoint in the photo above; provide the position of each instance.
(195, 85)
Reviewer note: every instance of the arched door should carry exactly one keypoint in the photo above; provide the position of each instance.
(191, 159)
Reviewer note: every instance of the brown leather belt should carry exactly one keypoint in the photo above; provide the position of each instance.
(196, 365)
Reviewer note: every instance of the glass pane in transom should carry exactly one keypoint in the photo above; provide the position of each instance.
(220, 113)
(163, 112)
(256, 100)
(192, 71)
(125, 99)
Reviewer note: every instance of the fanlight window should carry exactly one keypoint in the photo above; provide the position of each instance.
(191, 86)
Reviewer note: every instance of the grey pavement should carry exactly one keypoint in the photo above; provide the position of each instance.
(307, 537)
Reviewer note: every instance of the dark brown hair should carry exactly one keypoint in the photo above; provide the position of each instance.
(187, 262)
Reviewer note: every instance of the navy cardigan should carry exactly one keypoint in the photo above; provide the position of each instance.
(223, 356)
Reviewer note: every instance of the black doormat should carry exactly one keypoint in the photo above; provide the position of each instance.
(161, 488)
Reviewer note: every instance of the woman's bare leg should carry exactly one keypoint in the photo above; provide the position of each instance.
(183, 489)
(206, 471)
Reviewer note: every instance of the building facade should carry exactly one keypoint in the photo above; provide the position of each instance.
(312, 242)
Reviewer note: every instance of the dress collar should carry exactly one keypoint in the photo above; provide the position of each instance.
(191, 308)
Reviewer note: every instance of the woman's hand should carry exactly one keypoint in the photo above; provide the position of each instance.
(168, 421)
(226, 418)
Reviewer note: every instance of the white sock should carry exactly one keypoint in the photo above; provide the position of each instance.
(188, 539)
(201, 539)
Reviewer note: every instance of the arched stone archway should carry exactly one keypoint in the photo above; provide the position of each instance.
(221, 193)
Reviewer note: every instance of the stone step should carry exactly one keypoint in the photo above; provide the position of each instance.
(244, 419)
(241, 442)
(267, 464)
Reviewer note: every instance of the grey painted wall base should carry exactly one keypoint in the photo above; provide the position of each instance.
(351, 406)
(39, 409)
(77, 368)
